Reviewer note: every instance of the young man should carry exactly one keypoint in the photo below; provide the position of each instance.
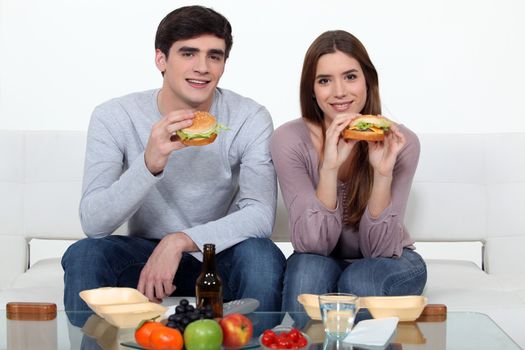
(175, 198)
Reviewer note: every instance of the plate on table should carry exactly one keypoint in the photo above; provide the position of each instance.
(121, 307)
(406, 308)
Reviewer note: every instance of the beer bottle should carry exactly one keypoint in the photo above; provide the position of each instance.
(208, 288)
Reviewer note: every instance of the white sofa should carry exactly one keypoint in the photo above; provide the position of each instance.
(468, 188)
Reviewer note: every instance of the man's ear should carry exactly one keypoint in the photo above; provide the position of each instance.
(160, 60)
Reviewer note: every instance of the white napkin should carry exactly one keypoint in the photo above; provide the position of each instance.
(373, 332)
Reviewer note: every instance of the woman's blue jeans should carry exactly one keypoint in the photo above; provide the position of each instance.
(318, 274)
(253, 268)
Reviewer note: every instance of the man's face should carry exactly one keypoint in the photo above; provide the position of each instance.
(192, 70)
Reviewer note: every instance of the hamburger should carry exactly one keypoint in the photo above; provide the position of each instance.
(202, 132)
(367, 128)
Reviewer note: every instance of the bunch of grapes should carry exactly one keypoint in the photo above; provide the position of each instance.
(186, 313)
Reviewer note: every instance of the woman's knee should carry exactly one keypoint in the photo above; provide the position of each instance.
(311, 273)
(384, 276)
(414, 278)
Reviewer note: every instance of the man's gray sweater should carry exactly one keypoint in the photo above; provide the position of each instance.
(221, 193)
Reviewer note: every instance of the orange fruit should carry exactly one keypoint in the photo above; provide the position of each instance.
(143, 332)
(165, 338)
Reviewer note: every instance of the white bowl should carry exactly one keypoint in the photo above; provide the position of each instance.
(406, 308)
(121, 307)
(97, 297)
(130, 315)
(278, 330)
(310, 303)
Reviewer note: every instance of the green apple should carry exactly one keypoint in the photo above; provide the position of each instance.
(203, 335)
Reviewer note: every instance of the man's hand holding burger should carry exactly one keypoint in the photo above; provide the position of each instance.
(160, 143)
(178, 130)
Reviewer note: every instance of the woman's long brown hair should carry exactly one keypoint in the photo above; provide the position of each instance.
(359, 186)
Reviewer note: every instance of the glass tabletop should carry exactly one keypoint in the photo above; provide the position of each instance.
(459, 330)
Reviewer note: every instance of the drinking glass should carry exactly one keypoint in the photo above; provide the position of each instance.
(338, 312)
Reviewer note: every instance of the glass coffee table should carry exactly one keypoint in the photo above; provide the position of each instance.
(458, 330)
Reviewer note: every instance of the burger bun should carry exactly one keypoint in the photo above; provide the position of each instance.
(362, 135)
(367, 128)
(203, 123)
(199, 141)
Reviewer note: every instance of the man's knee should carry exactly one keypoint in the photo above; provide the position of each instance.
(258, 262)
(85, 253)
(75, 251)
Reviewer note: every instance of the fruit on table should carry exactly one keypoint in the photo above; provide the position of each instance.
(165, 338)
(143, 332)
(203, 335)
(292, 339)
(237, 330)
(185, 314)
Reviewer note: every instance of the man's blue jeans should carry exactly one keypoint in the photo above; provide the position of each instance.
(251, 269)
(318, 274)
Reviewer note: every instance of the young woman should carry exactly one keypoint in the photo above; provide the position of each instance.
(346, 199)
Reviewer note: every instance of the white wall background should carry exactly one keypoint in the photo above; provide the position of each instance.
(444, 65)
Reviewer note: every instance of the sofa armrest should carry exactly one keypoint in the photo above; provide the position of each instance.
(13, 258)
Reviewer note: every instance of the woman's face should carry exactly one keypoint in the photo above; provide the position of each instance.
(340, 85)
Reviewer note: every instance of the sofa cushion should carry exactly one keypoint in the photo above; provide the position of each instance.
(503, 255)
(512, 281)
(461, 207)
(43, 282)
(13, 258)
(473, 299)
(44, 273)
(462, 285)
(53, 182)
(459, 274)
(448, 203)
(11, 183)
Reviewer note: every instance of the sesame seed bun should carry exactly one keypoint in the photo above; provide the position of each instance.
(203, 123)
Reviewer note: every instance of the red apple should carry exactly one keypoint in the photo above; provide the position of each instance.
(237, 331)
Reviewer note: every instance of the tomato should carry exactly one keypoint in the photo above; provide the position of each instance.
(269, 333)
(268, 337)
(143, 332)
(284, 343)
(301, 342)
(294, 334)
(165, 338)
(292, 339)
